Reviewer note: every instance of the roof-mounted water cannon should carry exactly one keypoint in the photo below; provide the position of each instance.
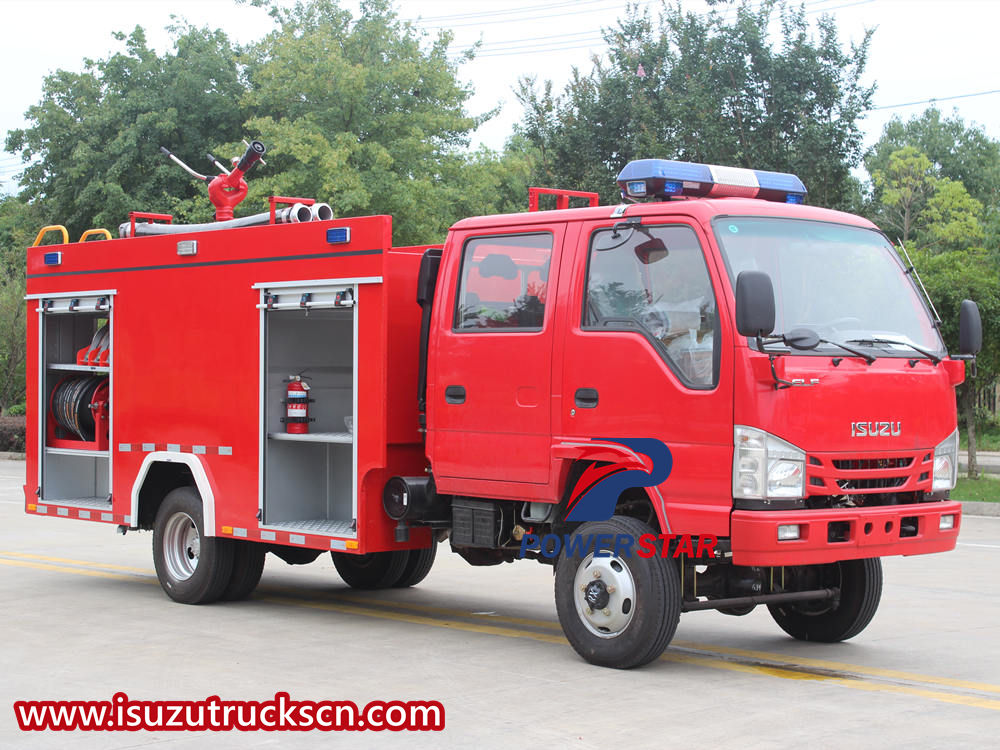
(228, 189)
(662, 179)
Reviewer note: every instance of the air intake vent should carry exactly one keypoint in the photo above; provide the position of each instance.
(867, 464)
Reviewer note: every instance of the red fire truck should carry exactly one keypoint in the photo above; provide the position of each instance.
(294, 384)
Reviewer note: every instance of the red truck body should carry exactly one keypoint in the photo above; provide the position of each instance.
(206, 327)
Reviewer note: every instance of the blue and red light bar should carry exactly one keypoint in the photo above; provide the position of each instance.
(662, 179)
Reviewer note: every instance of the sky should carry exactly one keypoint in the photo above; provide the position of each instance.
(944, 50)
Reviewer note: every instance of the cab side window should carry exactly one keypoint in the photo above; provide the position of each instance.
(503, 283)
(653, 279)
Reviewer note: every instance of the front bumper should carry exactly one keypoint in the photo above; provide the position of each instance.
(858, 533)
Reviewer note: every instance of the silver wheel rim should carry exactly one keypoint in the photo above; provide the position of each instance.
(181, 546)
(614, 575)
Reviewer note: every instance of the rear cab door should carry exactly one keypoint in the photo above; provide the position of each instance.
(489, 390)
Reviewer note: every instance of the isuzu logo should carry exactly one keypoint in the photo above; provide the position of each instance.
(876, 429)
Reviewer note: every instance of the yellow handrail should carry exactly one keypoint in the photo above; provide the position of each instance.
(51, 227)
(94, 233)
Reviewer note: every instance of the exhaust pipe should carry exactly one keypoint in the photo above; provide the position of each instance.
(321, 212)
(295, 214)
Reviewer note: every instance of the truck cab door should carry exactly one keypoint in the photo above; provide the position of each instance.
(490, 359)
(646, 353)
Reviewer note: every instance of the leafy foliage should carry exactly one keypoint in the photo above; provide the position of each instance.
(361, 111)
(710, 90)
(95, 136)
(18, 224)
(905, 183)
(958, 152)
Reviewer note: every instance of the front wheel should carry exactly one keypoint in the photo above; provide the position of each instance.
(832, 620)
(618, 610)
(192, 568)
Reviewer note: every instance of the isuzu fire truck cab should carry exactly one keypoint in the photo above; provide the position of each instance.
(782, 353)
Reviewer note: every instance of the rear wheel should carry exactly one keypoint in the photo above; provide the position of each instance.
(617, 611)
(248, 566)
(376, 570)
(831, 620)
(192, 568)
(418, 565)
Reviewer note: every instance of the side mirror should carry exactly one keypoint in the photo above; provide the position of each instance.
(754, 304)
(970, 328)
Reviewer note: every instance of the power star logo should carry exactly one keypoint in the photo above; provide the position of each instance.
(647, 464)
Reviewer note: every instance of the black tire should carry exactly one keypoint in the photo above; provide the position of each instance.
(650, 615)
(376, 570)
(860, 583)
(418, 565)
(192, 568)
(248, 565)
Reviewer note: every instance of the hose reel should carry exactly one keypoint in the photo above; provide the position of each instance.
(79, 406)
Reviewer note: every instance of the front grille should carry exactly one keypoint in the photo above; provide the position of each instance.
(867, 464)
(868, 474)
(883, 483)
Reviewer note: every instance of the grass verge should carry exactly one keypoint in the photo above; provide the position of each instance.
(984, 489)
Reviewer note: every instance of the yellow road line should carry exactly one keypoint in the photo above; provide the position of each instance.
(837, 666)
(858, 683)
(707, 661)
(75, 571)
(86, 563)
(546, 624)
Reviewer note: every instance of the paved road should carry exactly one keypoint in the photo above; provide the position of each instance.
(83, 617)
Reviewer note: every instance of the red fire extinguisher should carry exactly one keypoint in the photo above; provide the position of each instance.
(297, 406)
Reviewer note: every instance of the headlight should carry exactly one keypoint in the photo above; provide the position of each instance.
(946, 464)
(766, 467)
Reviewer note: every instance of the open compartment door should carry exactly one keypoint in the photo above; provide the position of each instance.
(76, 335)
(309, 469)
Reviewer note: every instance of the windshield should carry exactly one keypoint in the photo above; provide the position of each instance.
(845, 283)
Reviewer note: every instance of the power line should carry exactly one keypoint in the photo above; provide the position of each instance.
(421, 20)
(936, 99)
(515, 47)
(545, 15)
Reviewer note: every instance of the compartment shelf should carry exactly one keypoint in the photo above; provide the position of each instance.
(319, 526)
(80, 368)
(76, 452)
(102, 503)
(313, 437)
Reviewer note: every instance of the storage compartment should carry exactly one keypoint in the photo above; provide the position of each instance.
(75, 406)
(309, 478)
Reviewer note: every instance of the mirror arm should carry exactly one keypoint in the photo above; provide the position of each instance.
(771, 356)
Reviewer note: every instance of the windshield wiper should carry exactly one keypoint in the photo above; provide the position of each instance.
(872, 341)
(806, 339)
(869, 358)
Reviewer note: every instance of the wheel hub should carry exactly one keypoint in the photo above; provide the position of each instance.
(604, 595)
(597, 595)
(181, 546)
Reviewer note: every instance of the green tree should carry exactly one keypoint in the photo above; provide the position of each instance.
(952, 219)
(958, 152)
(709, 90)
(19, 222)
(951, 277)
(92, 144)
(368, 113)
(904, 186)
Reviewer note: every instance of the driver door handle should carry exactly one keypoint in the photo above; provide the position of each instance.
(586, 398)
